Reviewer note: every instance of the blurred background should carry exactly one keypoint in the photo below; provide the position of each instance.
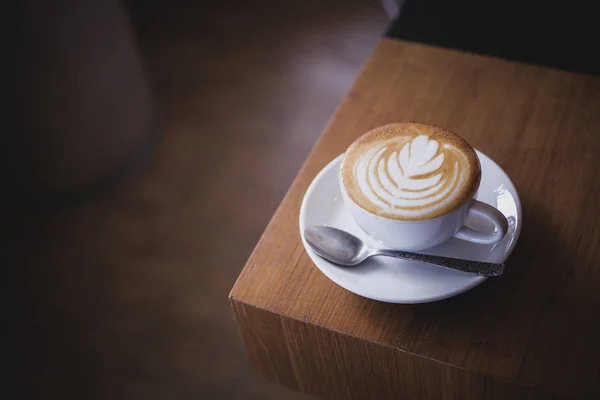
(122, 293)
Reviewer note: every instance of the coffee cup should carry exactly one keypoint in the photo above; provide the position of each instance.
(411, 186)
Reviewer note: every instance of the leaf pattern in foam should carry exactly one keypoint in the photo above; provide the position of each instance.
(418, 157)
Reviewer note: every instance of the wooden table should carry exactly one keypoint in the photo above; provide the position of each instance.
(534, 333)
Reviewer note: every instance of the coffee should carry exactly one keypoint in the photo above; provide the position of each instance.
(410, 171)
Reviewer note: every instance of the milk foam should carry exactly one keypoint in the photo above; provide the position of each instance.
(412, 181)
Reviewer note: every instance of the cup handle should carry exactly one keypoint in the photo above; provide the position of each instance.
(490, 213)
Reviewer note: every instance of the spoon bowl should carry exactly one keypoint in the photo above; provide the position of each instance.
(337, 246)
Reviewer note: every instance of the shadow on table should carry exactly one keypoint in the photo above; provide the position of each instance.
(539, 261)
(534, 272)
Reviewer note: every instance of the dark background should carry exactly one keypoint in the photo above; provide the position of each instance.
(124, 294)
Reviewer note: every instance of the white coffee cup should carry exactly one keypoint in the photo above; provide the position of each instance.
(422, 234)
(419, 149)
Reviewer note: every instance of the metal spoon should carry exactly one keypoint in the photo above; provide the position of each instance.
(342, 248)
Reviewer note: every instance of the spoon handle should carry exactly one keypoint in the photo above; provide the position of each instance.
(475, 267)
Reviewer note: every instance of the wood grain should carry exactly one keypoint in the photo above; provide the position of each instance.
(534, 333)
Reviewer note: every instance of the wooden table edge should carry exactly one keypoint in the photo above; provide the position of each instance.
(278, 361)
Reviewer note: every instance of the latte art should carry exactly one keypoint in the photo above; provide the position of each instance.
(416, 171)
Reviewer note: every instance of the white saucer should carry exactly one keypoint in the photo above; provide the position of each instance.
(399, 281)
